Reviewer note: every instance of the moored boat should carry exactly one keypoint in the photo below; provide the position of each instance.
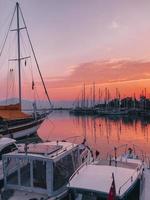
(42, 170)
(13, 121)
(94, 180)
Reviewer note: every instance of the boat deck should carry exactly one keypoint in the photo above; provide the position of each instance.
(145, 185)
(98, 177)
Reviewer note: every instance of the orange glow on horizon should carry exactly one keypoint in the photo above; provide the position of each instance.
(71, 93)
(130, 77)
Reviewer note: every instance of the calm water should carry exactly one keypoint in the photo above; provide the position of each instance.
(102, 134)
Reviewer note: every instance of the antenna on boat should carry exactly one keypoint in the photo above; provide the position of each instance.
(26, 148)
(115, 150)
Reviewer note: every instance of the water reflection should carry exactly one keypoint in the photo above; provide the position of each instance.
(102, 134)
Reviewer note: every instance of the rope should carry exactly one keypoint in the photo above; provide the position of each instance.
(10, 76)
(30, 65)
(5, 21)
(13, 83)
(6, 36)
(36, 59)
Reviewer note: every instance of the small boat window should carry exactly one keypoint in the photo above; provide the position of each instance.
(12, 171)
(63, 169)
(39, 174)
(25, 172)
(76, 158)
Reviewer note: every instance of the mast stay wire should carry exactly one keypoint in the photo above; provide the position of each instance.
(8, 68)
(5, 21)
(36, 59)
(35, 93)
(29, 55)
(4, 43)
(6, 36)
(13, 82)
(10, 75)
(3, 46)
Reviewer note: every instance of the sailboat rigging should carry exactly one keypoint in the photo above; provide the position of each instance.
(13, 122)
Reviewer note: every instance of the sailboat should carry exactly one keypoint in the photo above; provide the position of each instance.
(82, 107)
(13, 122)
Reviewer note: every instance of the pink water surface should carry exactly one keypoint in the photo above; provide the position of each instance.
(102, 134)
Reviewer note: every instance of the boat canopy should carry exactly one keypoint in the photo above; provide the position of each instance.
(12, 112)
(11, 107)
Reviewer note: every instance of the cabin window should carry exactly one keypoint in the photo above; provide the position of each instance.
(12, 171)
(63, 169)
(7, 149)
(25, 172)
(39, 174)
(76, 158)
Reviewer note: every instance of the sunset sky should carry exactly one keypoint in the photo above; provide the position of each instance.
(86, 41)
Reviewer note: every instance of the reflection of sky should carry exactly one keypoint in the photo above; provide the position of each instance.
(101, 134)
(66, 33)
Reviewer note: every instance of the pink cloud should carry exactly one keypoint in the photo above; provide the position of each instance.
(101, 72)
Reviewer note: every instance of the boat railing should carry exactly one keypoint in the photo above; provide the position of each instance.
(132, 177)
(137, 152)
(87, 161)
(146, 161)
(77, 171)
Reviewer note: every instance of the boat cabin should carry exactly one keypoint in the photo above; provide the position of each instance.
(43, 168)
(93, 181)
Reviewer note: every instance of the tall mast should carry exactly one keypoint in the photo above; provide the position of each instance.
(18, 44)
(84, 104)
(93, 94)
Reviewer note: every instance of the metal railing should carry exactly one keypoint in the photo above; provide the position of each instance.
(87, 161)
(132, 178)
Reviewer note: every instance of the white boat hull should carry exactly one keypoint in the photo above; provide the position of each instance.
(23, 130)
(26, 132)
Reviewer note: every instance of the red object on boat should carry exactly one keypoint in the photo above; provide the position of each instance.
(112, 191)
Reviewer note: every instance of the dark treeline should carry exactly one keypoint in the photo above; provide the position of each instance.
(126, 103)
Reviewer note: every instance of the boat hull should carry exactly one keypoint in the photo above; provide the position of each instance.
(20, 131)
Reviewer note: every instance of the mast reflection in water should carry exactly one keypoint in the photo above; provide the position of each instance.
(102, 134)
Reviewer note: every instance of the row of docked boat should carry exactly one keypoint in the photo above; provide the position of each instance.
(79, 111)
(64, 170)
